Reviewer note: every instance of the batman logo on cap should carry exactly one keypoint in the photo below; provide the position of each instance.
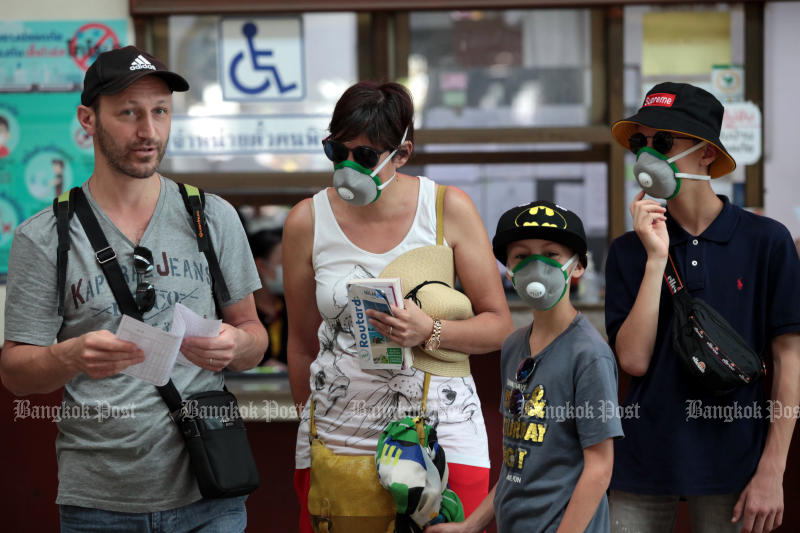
(541, 216)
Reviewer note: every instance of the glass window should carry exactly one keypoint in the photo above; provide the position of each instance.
(500, 69)
(256, 135)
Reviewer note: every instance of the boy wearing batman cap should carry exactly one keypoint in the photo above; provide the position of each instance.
(729, 468)
(559, 381)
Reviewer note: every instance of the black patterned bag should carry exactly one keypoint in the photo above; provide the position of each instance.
(716, 357)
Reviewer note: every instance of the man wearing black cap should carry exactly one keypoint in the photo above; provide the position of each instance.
(122, 462)
(724, 454)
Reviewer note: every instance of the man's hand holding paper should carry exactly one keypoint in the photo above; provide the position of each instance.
(99, 354)
(211, 353)
(161, 347)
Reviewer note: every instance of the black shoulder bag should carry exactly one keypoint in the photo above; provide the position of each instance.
(717, 358)
(209, 422)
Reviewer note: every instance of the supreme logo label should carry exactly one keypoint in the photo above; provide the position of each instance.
(659, 99)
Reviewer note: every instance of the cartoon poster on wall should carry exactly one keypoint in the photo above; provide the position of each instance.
(43, 149)
(54, 55)
(47, 152)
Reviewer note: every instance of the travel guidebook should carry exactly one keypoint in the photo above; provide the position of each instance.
(374, 350)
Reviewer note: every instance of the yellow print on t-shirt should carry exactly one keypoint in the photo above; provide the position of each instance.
(525, 430)
(522, 428)
(532, 432)
(533, 404)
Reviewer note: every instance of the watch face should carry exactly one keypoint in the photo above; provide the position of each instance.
(432, 343)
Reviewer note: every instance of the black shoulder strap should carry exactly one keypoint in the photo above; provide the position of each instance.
(107, 259)
(63, 209)
(105, 255)
(193, 200)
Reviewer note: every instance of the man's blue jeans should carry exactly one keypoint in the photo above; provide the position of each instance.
(227, 515)
(645, 513)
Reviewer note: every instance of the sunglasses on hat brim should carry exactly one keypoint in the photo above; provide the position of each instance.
(662, 141)
(337, 152)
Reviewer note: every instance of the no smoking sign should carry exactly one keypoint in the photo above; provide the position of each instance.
(89, 41)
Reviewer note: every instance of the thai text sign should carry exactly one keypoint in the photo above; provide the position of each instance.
(741, 132)
(241, 135)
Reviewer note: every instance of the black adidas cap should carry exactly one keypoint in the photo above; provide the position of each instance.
(539, 220)
(115, 70)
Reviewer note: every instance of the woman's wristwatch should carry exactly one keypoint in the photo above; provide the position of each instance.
(434, 341)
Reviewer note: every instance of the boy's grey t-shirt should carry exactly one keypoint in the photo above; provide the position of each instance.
(117, 448)
(570, 404)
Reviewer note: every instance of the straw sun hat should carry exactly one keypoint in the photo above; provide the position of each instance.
(434, 264)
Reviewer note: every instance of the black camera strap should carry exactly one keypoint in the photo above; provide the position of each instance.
(107, 259)
(105, 255)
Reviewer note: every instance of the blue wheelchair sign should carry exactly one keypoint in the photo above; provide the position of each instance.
(262, 59)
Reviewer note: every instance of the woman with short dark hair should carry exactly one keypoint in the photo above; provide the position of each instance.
(370, 216)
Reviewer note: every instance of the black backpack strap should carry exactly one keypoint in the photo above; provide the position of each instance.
(107, 259)
(62, 209)
(193, 200)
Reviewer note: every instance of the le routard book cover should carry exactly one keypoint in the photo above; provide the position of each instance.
(373, 349)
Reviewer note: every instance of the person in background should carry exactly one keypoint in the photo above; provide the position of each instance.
(743, 265)
(372, 215)
(270, 304)
(5, 133)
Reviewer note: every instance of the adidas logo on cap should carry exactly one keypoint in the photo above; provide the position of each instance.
(140, 62)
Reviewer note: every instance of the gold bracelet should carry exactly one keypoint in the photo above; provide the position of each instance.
(434, 340)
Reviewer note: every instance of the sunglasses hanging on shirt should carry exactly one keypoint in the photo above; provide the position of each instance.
(524, 372)
(145, 294)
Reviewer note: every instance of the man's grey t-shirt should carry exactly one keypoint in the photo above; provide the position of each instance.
(117, 448)
(570, 404)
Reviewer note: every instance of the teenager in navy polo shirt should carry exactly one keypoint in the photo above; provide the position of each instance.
(724, 454)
